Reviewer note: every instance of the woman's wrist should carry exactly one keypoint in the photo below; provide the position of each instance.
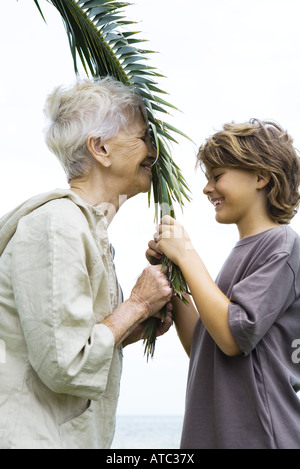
(126, 317)
(143, 305)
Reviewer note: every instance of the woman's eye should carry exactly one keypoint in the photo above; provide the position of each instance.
(217, 176)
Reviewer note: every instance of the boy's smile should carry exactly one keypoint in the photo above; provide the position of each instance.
(239, 197)
(216, 202)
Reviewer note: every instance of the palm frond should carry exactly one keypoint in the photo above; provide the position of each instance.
(39, 8)
(99, 36)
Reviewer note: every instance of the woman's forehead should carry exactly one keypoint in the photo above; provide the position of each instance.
(137, 122)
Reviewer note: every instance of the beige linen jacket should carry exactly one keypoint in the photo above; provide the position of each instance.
(59, 370)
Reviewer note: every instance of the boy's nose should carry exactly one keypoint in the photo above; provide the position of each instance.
(208, 188)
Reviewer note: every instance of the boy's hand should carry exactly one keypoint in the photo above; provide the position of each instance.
(152, 252)
(170, 239)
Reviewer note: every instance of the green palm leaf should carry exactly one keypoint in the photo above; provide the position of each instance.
(98, 35)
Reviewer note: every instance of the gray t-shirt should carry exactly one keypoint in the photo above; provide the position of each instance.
(250, 400)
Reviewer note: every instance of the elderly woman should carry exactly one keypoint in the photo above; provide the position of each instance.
(62, 318)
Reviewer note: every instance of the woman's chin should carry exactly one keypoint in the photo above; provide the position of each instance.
(145, 187)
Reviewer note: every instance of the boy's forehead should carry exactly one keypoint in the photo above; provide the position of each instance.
(207, 173)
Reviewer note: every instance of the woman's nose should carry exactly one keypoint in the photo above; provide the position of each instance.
(152, 153)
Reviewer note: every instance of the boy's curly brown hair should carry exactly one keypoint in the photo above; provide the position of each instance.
(259, 145)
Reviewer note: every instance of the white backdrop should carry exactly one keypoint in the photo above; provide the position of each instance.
(224, 60)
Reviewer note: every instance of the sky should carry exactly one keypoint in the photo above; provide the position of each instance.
(223, 61)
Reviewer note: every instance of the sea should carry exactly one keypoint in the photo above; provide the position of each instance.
(147, 432)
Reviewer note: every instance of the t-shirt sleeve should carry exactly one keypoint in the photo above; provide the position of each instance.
(258, 299)
(69, 351)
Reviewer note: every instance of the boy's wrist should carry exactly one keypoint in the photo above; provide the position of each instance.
(188, 260)
(186, 256)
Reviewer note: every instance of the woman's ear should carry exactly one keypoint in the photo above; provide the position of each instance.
(263, 179)
(98, 150)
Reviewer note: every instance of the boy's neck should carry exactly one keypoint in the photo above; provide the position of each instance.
(256, 228)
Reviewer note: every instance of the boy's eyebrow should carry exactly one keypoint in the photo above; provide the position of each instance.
(210, 171)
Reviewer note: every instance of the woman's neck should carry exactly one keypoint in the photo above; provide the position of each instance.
(98, 195)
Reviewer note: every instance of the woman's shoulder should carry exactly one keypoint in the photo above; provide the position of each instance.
(57, 208)
(60, 214)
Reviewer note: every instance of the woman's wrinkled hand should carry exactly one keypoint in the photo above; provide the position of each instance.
(152, 289)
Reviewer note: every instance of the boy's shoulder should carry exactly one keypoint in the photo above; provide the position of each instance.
(284, 235)
(282, 239)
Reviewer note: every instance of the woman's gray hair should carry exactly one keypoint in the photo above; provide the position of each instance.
(90, 107)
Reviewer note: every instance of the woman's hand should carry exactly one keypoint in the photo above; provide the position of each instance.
(150, 293)
(170, 239)
(152, 289)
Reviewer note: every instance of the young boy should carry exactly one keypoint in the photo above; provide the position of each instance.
(244, 371)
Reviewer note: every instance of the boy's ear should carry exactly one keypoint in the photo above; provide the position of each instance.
(98, 150)
(263, 179)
